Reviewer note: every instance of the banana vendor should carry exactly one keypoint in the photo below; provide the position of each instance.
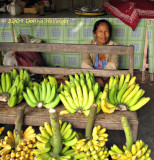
(102, 31)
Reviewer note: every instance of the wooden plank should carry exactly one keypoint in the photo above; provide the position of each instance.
(37, 117)
(66, 48)
(65, 71)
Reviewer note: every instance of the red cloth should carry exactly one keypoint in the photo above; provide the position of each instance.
(28, 58)
(130, 11)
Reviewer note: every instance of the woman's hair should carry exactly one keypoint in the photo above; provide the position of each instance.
(103, 21)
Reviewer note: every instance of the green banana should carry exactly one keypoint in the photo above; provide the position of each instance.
(136, 97)
(20, 98)
(21, 74)
(70, 99)
(121, 81)
(26, 77)
(54, 103)
(127, 92)
(44, 132)
(74, 96)
(92, 77)
(71, 136)
(53, 81)
(44, 91)
(48, 91)
(87, 75)
(90, 100)
(82, 76)
(65, 131)
(60, 87)
(111, 82)
(14, 91)
(66, 104)
(42, 138)
(12, 101)
(89, 84)
(127, 79)
(14, 73)
(116, 80)
(112, 94)
(85, 94)
(71, 142)
(77, 76)
(36, 93)
(121, 92)
(52, 95)
(20, 87)
(1, 91)
(63, 127)
(27, 99)
(82, 81)
(8, 81)
(80, 95)
(16, 83)
(48, 128)
(3, 82)
(31, 95)
(71, 78)
(96, 89)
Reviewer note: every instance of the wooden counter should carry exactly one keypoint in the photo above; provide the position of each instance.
(37, 117)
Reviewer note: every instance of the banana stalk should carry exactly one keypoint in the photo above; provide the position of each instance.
(18, 125)
(128, 133)
(57, 142)
(90, 121)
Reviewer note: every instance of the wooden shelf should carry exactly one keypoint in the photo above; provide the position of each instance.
(37, 117)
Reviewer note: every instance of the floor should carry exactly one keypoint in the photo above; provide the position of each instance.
(145, 117)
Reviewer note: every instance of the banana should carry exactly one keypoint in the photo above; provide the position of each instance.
(139, 104)
(80, 95)
(3, 82)
(105, 108)
(48, 128)
(14, 73)
(48, 91)
(71, 78)
(65, 148)
(26, 77)
(89, 84)
(44, 91)
(67, 134)
(127, 92)
(31, 95)
(63, 112)
(41, 145)
(111, 82)
(67, 83)
(127, 79)
(71, 142)
(115, 94)
(53, 81)
(70, 99)
(54, 103)
(74, 96)
(20, 98)
(90, 100)
(112, 94)
(92, 77)
(87, 75)
(72, 136)
(21, 74)
(77, 76)
(16, 83)
(116, 80)
(117, 149)
(52, 95)
(134, 91)
(96, 89)
(72, 83)
(121, 92)
(41, 138)
(132, 81)
(121, 81)
(94, 132)
(36, 93)
(28, 100)
(44, 132)
(66, 104)
(135, 98)
(86, 112)
(82, 76)
(14, 91)
(63, 127)
(12, 101)
(82, 81)
(110, 105)
(60, 87)
(66, 129)
(20, 87)
(85, 94)
(8, 81)
(1, 91)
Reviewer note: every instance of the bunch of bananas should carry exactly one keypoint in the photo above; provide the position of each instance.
(138, 151)
(1, 130)
(44, 94)
(22, 150)
(93, 148)
(13, 85)
(80, 93)
(124, 90)
(45, 140)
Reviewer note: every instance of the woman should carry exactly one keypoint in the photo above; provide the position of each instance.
(102, 31)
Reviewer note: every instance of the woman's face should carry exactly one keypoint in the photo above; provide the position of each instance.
(102, 34)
